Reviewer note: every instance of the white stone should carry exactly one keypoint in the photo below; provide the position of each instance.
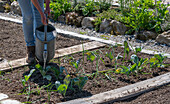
(146, 35)
(15, 8)
(3, 96)
(10, 101)
(88, 22)
(105, 26)
(118, 28)
(164, 38)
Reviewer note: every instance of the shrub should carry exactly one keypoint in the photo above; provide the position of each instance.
(59, 7)
(91, 8)
(109, 14)
(138, 17)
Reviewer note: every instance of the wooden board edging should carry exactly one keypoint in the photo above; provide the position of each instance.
(58, 53)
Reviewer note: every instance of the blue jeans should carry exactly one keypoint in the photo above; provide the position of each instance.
(31, 19)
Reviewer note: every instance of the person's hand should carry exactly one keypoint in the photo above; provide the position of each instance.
(44, 19)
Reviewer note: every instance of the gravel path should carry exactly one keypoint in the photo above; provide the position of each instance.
(148, 45)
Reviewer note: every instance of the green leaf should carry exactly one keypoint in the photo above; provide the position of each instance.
(109, 55)
(76, 64)
(29, 75)
(126, 49)
(23, 82)
(138, 49)
(158, 56)
(153, 60)
(134, 59)
(62, 68)
(48, 77)
(90, 56)
(107, 76)
(67, 80)
(56, 71)
(80, 81)
(125, 70)
(133, 67)
(142, 61)
(102, 60)
(38, 66)
(126, 44)
(62, 89)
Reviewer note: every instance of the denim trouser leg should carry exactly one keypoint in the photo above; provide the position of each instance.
(31, 19)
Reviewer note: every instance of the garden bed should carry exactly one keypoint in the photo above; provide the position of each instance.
(13, 44)
(107, 77)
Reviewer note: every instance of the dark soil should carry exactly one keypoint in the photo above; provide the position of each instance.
(12, 43)
(158, 96)
(11, 81)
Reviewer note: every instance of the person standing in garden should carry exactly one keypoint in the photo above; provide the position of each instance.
(33, 16)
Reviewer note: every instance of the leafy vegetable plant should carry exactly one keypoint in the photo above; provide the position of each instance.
(43, 71)
(62, 88)
(75, 64)
(157, 61)
(80, 82)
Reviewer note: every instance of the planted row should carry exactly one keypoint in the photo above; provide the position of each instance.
(126, 61)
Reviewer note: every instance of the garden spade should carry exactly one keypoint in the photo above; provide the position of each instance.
(45, 43)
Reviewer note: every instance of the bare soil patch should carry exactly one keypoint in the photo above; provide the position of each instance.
(157, 96)
(12, 43)
(11, 81)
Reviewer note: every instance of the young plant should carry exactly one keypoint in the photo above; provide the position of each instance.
(139, 62)
(62, 88)
(138, 65)
(25, 81)
(80, 82)
(26, 78)
(92, 56)
(75, 64)
(157, 61)
(43, 71)
(110, 56)
(126, 50)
